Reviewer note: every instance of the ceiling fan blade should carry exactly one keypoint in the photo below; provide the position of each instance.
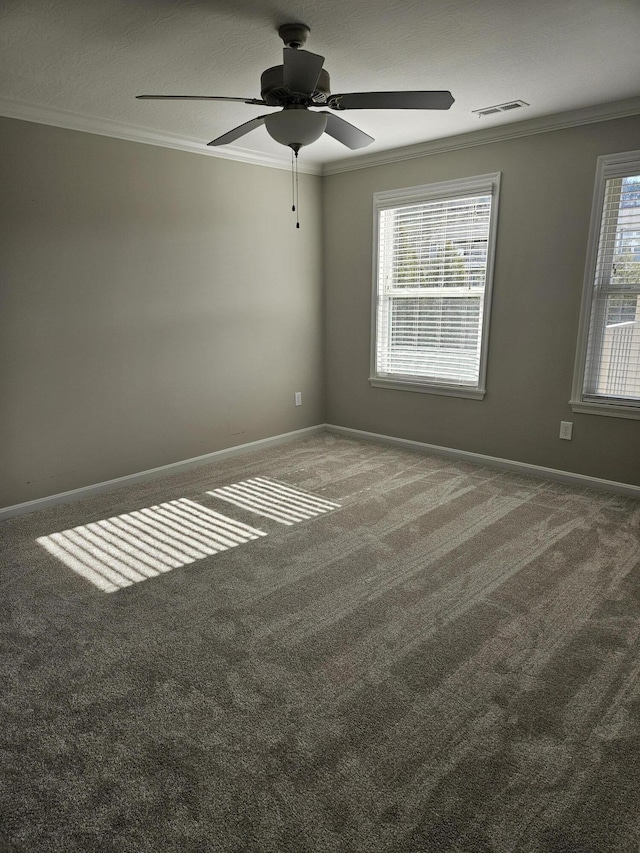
(239, 131)
(345, 132)
(441, 100)
(199, 98)
(301, 70)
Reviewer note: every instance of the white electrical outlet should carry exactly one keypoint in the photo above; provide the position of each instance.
(297, 398)
(566, 428)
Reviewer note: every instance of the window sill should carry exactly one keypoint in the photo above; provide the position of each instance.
(610, 410)
(422, 388)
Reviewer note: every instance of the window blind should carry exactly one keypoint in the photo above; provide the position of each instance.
(432, 273)
(612, 366)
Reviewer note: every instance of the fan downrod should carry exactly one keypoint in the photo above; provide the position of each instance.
(294, 35)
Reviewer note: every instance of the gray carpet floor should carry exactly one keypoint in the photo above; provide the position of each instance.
(325, 646)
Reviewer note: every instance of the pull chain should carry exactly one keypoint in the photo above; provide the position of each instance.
(297, 202)
(293, 185)
(295, 189)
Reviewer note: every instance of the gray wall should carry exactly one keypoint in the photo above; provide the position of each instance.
(157, 305)
(149, 312)
(545, 206)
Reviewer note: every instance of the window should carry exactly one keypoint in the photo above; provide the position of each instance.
(432, 286)
(607, 373)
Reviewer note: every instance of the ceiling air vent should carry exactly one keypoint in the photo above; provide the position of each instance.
(500, 108)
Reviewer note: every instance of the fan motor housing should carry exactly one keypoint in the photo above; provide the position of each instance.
(275, 93)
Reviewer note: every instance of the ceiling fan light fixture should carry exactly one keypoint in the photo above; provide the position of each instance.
(301, 82)
(296, 127)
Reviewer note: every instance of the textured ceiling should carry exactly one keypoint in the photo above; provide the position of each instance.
(91, 58)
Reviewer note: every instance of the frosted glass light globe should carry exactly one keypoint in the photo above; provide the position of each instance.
(295, 127)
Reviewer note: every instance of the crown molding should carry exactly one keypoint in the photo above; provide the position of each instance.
(135, 133)
(528, 127)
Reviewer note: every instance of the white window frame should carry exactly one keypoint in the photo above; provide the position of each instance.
(608, 166)
(481, 184)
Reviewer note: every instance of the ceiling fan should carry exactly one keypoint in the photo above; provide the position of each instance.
(300, 84)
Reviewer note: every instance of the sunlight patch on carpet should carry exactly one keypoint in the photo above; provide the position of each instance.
(126, 549)
(274, 500)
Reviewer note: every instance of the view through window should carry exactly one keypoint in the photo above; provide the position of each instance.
(434, 263)
(608, 369)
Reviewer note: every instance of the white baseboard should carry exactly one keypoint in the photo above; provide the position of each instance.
(153, 473)
(493, 461)
(417, 446)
